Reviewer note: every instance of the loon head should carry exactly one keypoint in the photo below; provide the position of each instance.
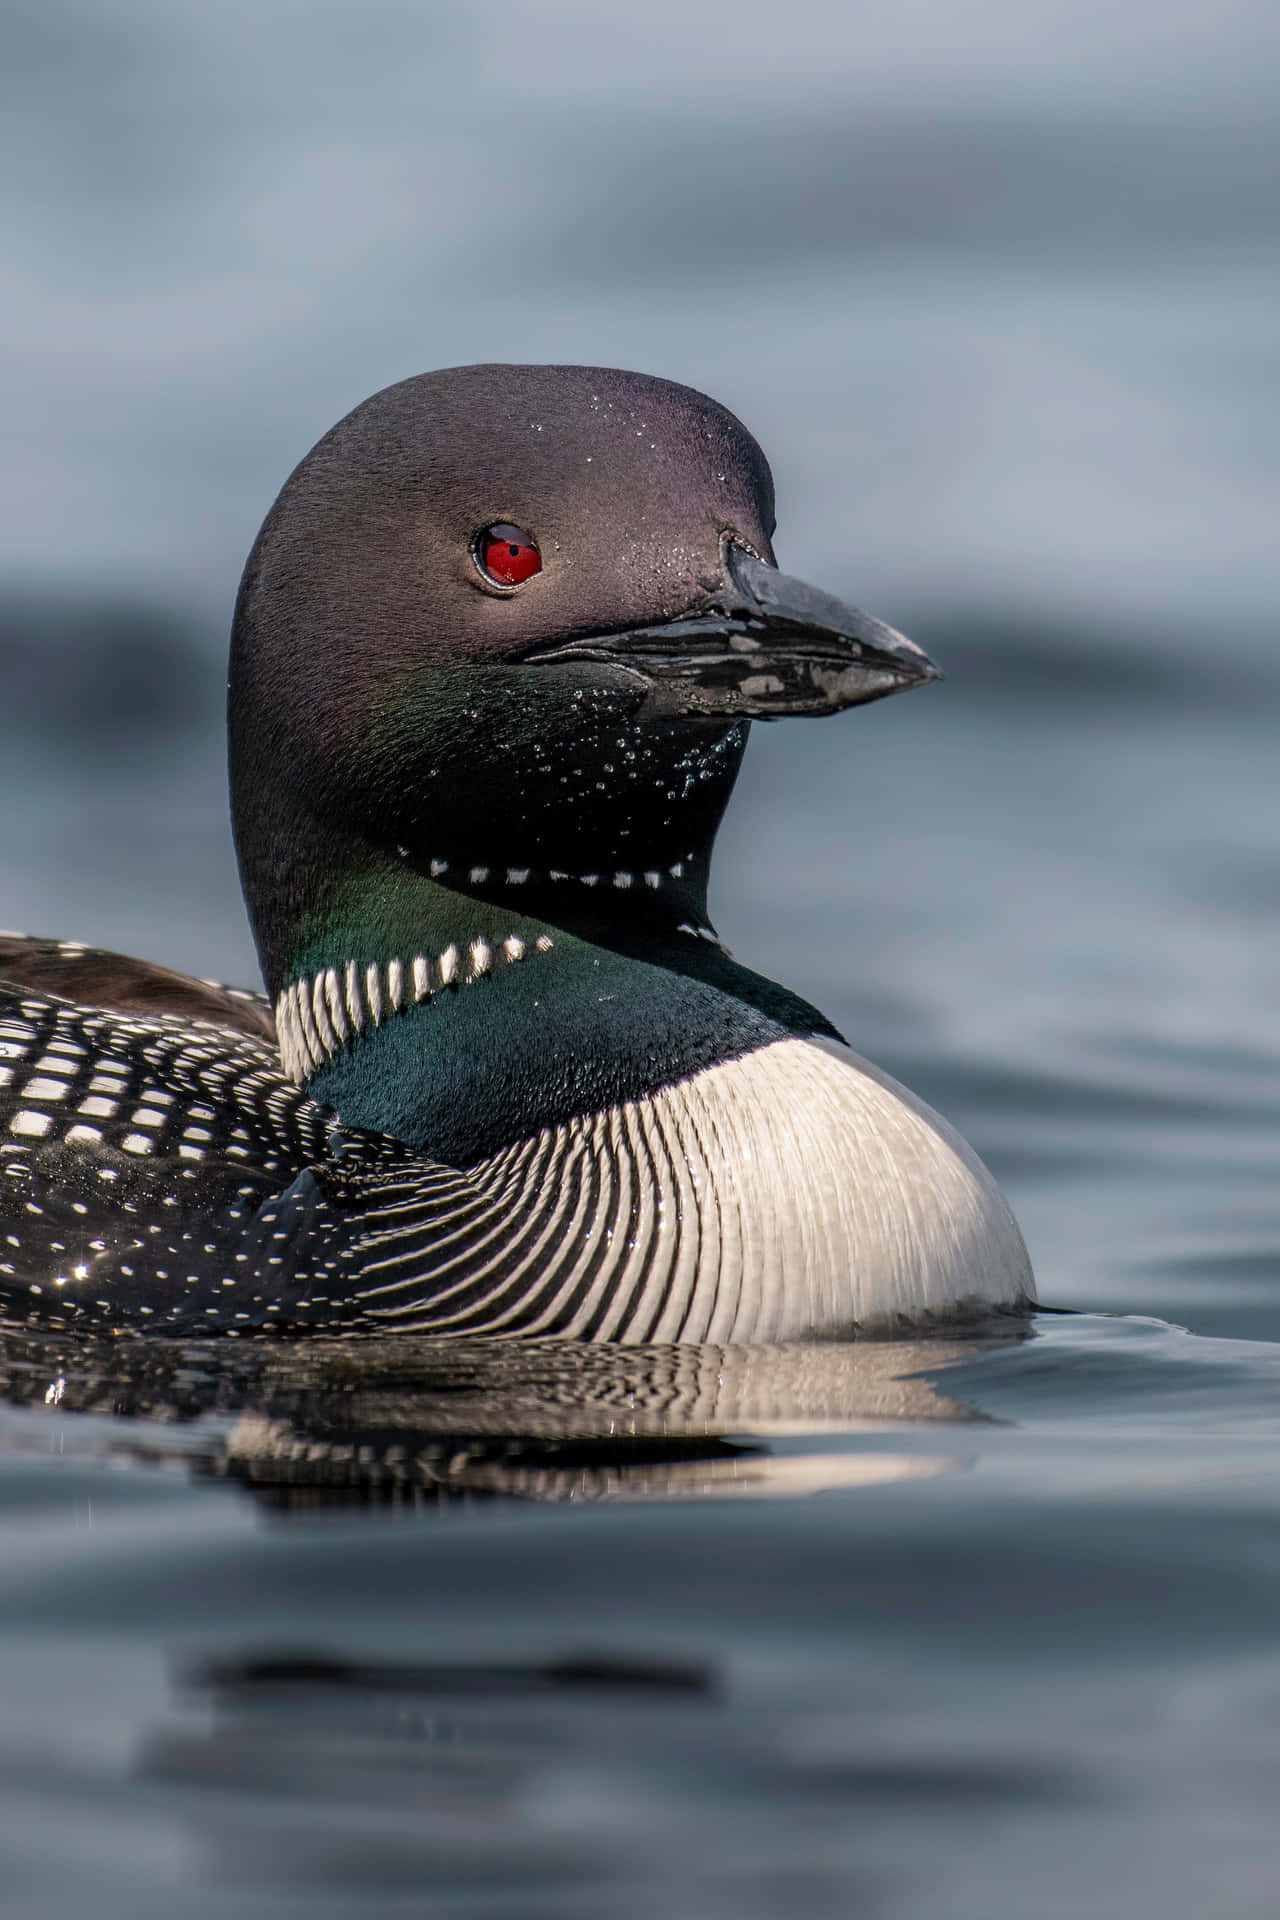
(496, 653)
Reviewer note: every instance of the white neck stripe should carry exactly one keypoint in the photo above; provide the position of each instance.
(316, 1017)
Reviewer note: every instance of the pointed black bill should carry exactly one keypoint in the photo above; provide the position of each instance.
(763, 647)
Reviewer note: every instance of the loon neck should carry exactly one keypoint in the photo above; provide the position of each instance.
(467, 949)
(338, 869)
(461, 1021)
(369, 904)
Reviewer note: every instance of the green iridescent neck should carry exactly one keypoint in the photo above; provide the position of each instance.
(455, 1023)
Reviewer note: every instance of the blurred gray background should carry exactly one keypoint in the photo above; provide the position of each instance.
(997, 291)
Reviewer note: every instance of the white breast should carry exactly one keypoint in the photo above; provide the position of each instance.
(826, 1195)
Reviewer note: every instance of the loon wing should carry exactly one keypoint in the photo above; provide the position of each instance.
(159, 1173)
(136, 1150)
(92, 977)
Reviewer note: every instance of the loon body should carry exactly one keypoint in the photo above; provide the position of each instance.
(495, 656)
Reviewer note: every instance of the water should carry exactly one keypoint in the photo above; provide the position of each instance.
(697, 1635)
(968, 1627)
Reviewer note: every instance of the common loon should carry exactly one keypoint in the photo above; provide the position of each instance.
(494, 659)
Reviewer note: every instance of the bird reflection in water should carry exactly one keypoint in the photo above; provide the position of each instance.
(463, 1713)
(424, 1423)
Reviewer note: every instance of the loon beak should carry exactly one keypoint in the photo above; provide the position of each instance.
(762, 647)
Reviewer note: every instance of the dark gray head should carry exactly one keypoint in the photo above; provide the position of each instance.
(401, 715)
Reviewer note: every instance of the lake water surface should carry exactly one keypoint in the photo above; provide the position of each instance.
(987, 1629)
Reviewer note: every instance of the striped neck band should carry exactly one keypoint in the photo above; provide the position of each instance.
(318, 1015)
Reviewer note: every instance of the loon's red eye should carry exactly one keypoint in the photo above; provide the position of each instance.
(506, 554)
